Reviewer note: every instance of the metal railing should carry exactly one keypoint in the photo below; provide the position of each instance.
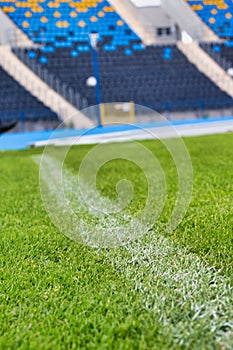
(14, 70)
(67, 92)
(16, 40)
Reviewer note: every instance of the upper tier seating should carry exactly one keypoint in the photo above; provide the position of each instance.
(63, 22)
(159, 77)
(17, 103)
(217, 14)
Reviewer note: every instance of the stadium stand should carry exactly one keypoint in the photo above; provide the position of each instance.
(222, 53)
(18, 104)
(217, 14)
(159, 77)
(61, 23)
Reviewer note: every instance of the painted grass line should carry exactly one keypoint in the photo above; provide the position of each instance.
(66, 207)
(188, 296)
(185, 294)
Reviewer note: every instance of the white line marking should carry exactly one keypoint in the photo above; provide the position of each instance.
(188, 296)
(67, 209)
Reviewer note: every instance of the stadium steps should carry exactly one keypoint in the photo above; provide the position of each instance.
(32, 83)
(208, 35)
(188, 20)
(207, 66)
(11, 34)
(130, 15)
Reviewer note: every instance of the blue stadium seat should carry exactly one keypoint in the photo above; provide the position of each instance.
(62, 23)
(157, 77)
(222, 53)
(16, 102)
(217, 14)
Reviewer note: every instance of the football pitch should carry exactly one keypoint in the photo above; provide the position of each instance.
(164, 290)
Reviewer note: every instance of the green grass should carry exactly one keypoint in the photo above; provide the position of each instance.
(58, 294)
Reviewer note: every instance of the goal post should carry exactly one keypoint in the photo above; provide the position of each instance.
(118, 112)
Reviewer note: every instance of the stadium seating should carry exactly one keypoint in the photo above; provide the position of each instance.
(222, 53)
(159, 77)
(217, 14)
(61, 23)
(17, 103)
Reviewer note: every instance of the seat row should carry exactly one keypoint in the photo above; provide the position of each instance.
(217, 14)
(16, 101)
(135, 78)
(44, 21)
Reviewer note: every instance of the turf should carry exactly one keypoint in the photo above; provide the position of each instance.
(58, 294)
